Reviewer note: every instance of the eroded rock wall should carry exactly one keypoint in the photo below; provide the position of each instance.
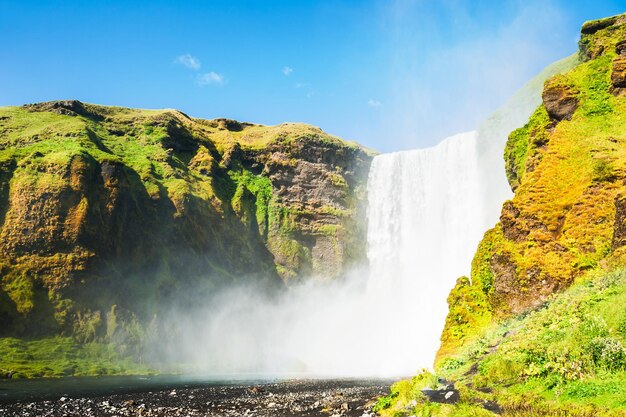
(109, 215)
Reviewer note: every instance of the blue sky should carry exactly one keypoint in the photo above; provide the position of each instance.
(391, 74)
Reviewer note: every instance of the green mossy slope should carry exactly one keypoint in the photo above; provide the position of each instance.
(567, 358)
(111, 216)
(567, 167)
(539, 329)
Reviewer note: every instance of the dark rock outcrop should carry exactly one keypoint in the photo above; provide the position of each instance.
(618, 73)
(560, 101)
(619, 226)
(592, 26)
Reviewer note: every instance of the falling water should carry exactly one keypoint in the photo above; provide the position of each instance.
(425, 219)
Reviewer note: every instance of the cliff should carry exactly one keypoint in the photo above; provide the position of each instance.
(566, 167)
(539, 328)
(109, 214)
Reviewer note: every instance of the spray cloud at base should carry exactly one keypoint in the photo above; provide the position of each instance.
(425, 218)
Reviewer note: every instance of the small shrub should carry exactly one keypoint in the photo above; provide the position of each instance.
(498, 370)
(590, 389)
(385, 402)
(450, 364)
(608, 352)
(603, 170)
(591, 328)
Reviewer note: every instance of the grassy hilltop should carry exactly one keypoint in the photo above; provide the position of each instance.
(540, 326)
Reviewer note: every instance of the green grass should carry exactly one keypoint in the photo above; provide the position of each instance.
(567, 177)
(567, 357)
(540, 328)
(522, 144)
(62, 356)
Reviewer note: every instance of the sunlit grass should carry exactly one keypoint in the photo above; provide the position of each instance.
(62, 356)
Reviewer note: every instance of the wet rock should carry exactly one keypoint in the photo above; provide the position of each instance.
(492, 406)
(293, 398)
(449, 395)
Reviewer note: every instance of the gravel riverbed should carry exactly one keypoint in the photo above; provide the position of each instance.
(286, 398)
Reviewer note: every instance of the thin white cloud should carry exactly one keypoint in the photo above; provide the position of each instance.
(374, 103)
(210, 78)
(287, 71)
(188, 61)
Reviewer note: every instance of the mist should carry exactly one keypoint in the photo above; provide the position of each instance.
(385, 317)
(427, 211)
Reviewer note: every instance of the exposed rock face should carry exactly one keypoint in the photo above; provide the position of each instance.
(316, 181)
(618, 75)
(600, 36)
(110, 214)
(618, 72)
(619, 227)
(560, 101)
(567, 169)
(592, 26)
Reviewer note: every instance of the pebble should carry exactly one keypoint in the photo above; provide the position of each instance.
(313, 398)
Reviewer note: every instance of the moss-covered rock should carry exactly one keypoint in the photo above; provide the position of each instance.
(567, 167)
(109, 215)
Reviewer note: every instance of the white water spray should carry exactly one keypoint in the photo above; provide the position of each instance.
(425, 219)
(427, 211)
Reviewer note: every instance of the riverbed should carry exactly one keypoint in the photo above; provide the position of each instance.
(183, 396)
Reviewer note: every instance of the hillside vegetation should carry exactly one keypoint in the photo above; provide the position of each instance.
(539, 327)
(111, 216)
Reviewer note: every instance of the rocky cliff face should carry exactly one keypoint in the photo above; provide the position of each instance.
(107, 214)
(567, 167)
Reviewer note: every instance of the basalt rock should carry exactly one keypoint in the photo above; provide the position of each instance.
(599, 37)
(593, 26)
(618, 73)
(619, 226)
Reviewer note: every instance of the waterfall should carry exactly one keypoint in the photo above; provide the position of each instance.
(426, 215)
(427, 211)
(425, 219)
